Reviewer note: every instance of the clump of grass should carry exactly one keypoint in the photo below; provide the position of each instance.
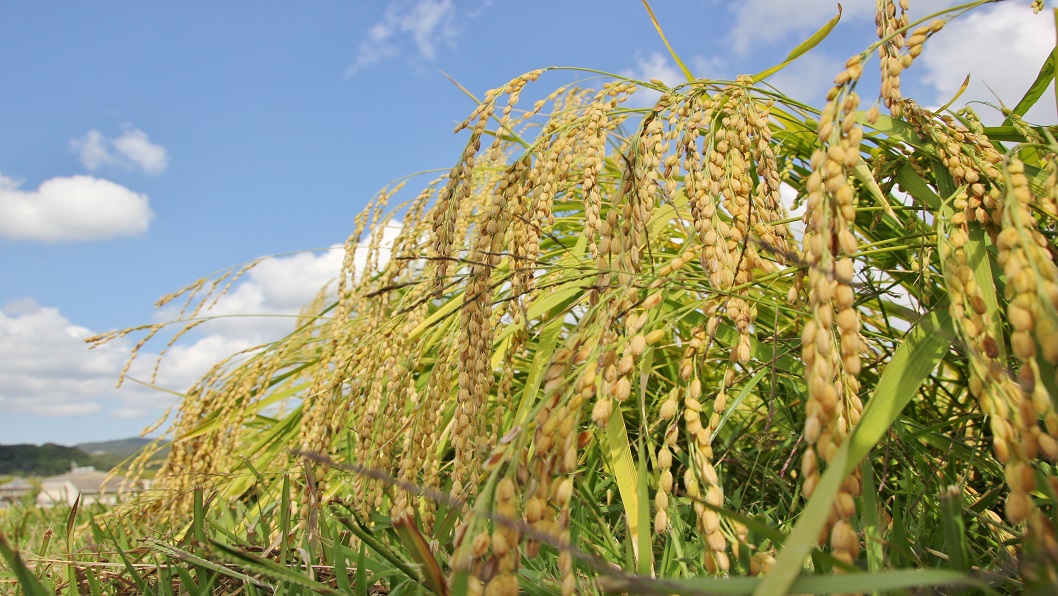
(599, 358)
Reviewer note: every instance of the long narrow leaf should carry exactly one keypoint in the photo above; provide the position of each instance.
(801, 48)
(29, 583)
(909, 366)
(683, 67)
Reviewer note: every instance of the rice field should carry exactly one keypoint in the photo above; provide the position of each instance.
(602, 356)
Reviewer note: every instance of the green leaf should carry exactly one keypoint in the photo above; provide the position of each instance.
(447, 309)
(683, 67)
(361, 570)
(71, 570)
(375, 545)
(870, 519)
(182, 555)
(413, 540)
(1038, 87)
(198, 520)
(284, 521)
(914, 185)
(912, 362)
(339, 559)
(626, 475)
(885, 581)
(802, 48)
(270, 568)
(29, 583)
(549, 337)
(954, 528)
(742, 394)
(140, 582)
(646, 554)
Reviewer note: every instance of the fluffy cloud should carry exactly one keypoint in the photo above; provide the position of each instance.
(809, 78)
(92, 150)
(275, 290)
(1002, 47)
(652, 66)
(656, 66)
(660, 67)
(765, 22)
(46, 369)
(427, 23)
(133, 149)
(71, 209)
(761, 23)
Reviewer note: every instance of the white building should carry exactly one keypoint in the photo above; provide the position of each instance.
(84, 481)
(14, 491)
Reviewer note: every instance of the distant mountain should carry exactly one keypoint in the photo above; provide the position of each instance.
(40, 460)
(124, 447)
(51, 459)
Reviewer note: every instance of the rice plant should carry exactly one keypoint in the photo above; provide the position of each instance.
(602, 356)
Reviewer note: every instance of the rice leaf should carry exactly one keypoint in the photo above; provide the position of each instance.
(801, 48)
(855, 583)
(1044, 79)
(31, 586)
(683, 67)
(270, 568)
(909, 366)
(417, 546)
(182, 555)
(627, 476)
(954, 529)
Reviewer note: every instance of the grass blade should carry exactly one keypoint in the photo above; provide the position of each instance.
(623, 468)
(683, 67)
(182, 555)
(29, 583)
(910, 365)
(802, 48)
(420, 552)
(853, 583)
(1038, 87)
(270, 568)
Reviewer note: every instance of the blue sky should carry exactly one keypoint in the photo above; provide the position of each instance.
(146, 145)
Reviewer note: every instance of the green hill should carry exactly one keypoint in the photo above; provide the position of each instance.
(51, 459)
(48, 459)
(123, 447)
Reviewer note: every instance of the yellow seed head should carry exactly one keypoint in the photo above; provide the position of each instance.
(655, 336)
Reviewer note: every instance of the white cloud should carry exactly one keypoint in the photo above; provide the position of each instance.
(278, 287)
(46, 369)
(1002, 48)
(656, 66)
(138, 149)
(809, 78)
(761, 23)
(70, 209)
(660, 67)
(133, 149)
(428, 23)
(765, 22)
(273, 291)
(92, 150)
(652, 66)
(374, 48)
